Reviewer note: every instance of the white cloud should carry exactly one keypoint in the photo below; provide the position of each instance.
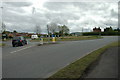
(75, 15)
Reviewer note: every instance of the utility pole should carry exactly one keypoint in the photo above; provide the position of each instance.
(32, 17)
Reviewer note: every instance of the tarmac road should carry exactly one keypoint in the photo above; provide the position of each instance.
(32, 61)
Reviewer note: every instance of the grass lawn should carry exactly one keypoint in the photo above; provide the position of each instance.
(71, 38)
(1, 44)
(77, 68)
(6, 39)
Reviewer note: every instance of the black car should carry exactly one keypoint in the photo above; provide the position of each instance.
(19, 41)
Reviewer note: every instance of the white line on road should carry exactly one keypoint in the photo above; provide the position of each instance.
(21, 49)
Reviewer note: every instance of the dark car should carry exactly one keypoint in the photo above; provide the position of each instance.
(19, 41)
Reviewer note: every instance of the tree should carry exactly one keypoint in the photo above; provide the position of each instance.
(14, 31)
(63, 30)
(37, 29)
(118, 29)
(108, 29)
(53, 27)
(57, 34)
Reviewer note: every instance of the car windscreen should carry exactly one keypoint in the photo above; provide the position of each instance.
(16, 38)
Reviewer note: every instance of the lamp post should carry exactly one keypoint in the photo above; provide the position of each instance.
(3, 26)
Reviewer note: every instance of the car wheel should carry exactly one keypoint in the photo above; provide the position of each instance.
(13, 45)
(16, 45)
(22, 43)
(26, 43)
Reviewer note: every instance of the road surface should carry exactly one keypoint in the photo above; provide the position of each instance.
(33, 61)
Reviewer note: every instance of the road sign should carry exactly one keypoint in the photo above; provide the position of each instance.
(53, 35)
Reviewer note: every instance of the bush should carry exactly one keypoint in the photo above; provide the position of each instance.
(101, 33)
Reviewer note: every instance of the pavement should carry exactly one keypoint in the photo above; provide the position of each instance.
(32, 61)
(106, 66)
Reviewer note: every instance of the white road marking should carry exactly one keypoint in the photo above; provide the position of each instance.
(21, 49)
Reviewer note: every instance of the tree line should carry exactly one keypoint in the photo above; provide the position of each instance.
(107, 31)
(52, 29)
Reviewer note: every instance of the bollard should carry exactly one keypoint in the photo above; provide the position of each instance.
(4, 39)
(53, 39)
(41, 40)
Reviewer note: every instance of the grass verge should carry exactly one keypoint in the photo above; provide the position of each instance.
(2, 44)
(77, 68)
(71, 38)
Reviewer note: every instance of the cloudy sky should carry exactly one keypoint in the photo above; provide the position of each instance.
(23, 16)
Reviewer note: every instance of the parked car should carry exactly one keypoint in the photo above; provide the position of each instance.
(18, 41)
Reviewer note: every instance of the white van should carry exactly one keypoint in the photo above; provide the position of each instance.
(34, 36)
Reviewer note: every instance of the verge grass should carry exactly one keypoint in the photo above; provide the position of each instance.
(2, 44)
(70, 38)
(77, 68)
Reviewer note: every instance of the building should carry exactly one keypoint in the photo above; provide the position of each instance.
(96, 29)
(76, 33)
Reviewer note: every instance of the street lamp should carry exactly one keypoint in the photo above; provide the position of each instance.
(3, 26)
(2, 20)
